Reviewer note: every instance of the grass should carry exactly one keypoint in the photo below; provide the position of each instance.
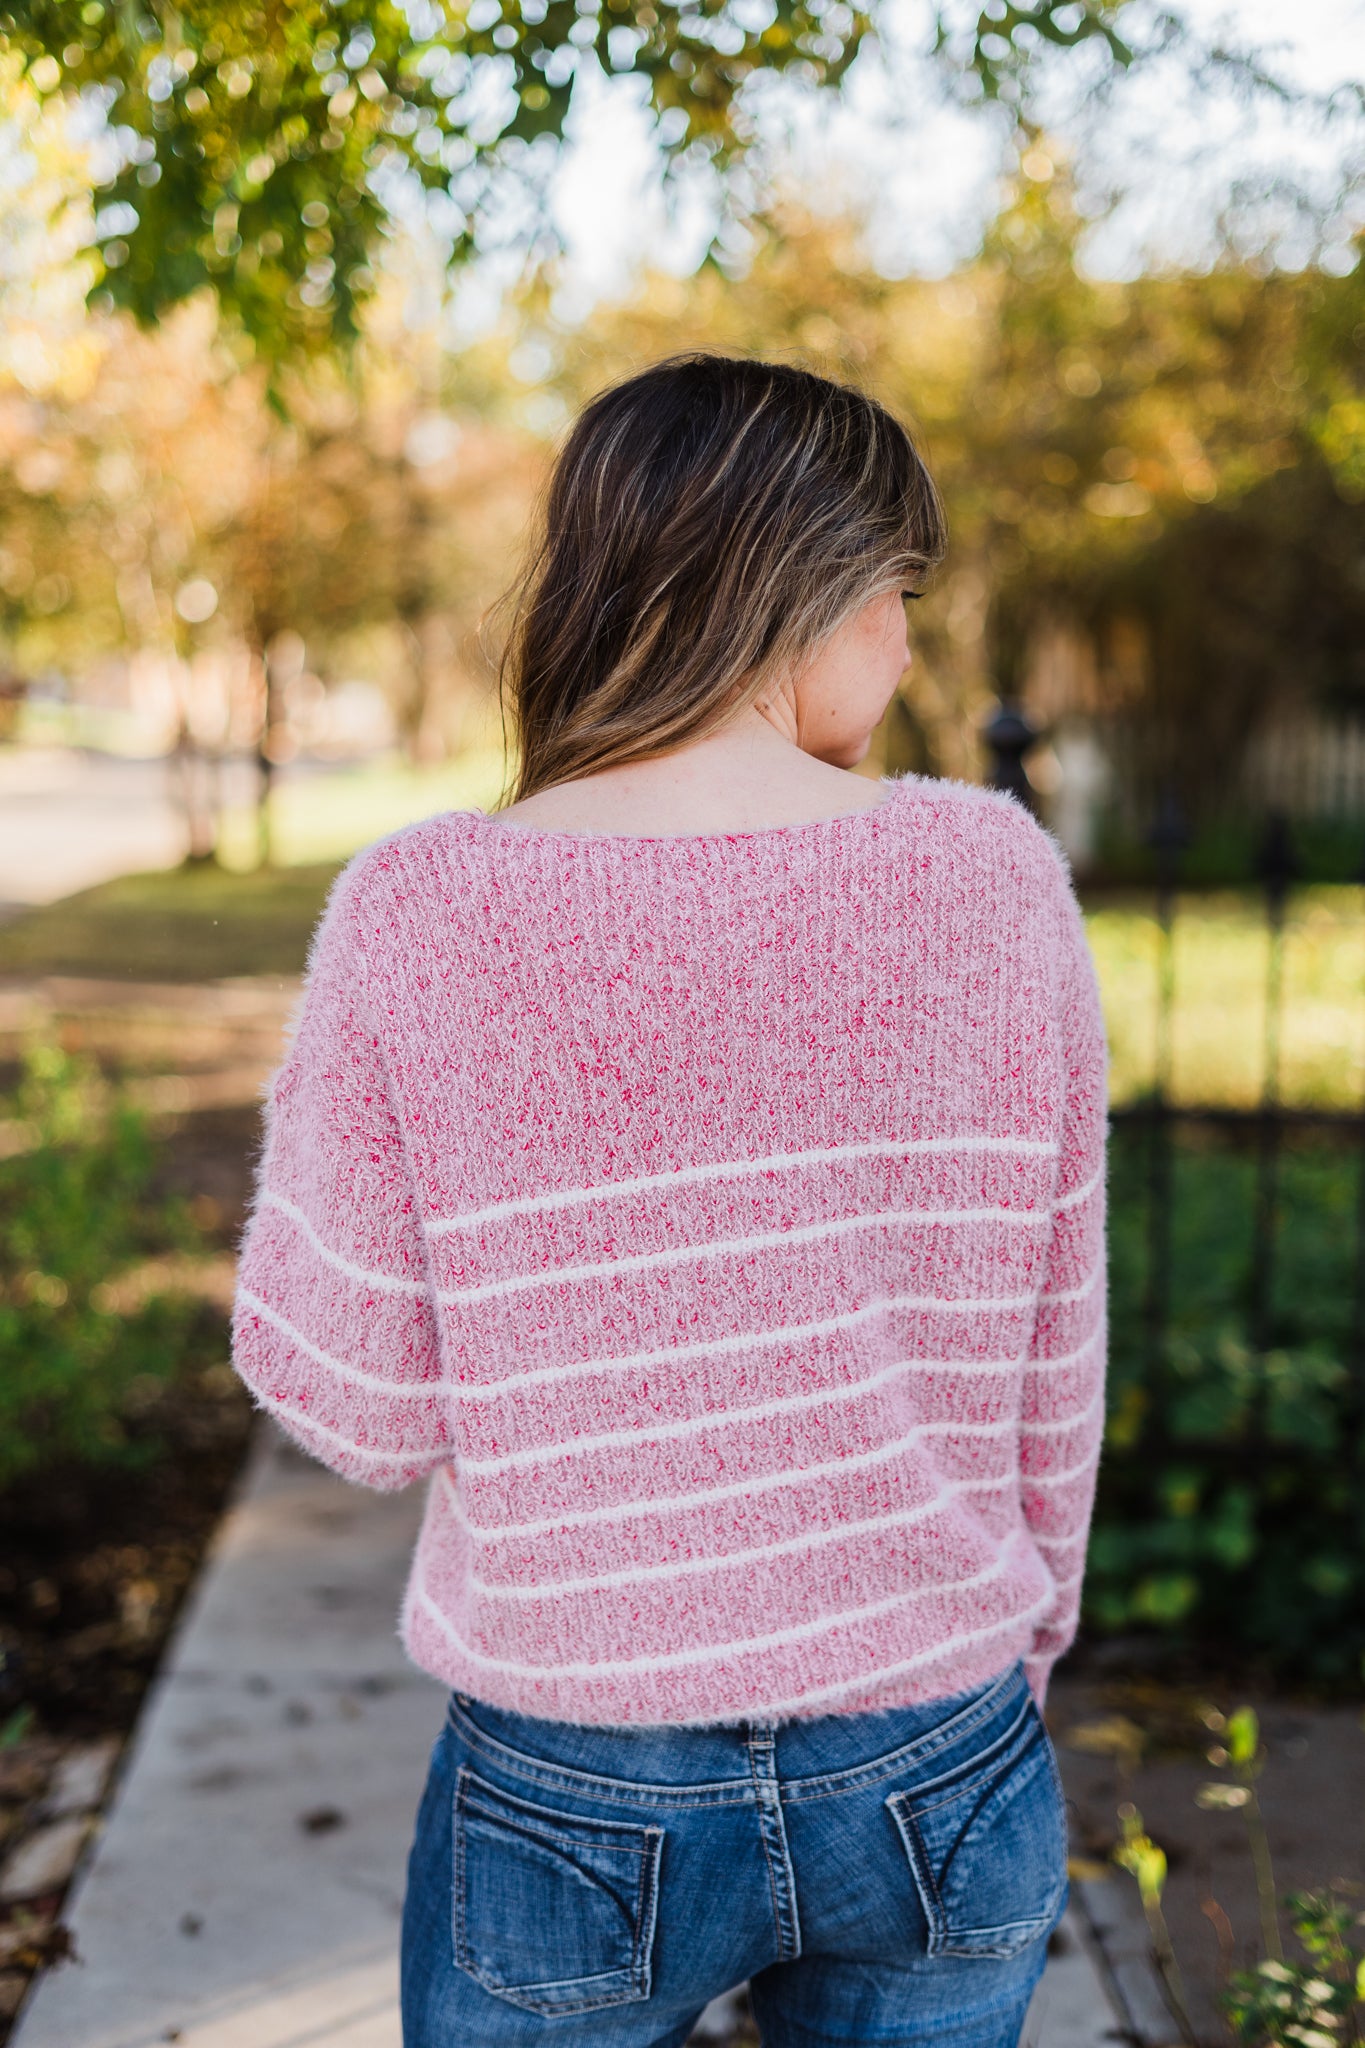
(188, 924)
(326, 815)
(200, 924)
(95, 1308)
(1220, 976)
(206, 923)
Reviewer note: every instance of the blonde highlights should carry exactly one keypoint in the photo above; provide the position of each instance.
(707, 524)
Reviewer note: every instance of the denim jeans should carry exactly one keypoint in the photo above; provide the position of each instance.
(887, 1878)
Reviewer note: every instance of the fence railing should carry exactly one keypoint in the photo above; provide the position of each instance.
(1232, 1492)
(1267, 1124)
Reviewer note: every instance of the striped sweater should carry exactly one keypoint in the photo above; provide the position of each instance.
(716, 1224)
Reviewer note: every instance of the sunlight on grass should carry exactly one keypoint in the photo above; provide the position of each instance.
(178, 924)
(201, 924)
(1220, 961)
(329, 815)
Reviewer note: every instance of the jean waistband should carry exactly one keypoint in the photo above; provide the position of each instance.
(718, 1761)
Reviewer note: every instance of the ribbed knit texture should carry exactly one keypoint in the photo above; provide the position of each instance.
(717, 1223)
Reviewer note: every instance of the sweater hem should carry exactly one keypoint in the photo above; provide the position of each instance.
(950, 1670)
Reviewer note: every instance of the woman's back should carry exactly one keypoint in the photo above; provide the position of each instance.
(696, 1172)
(718, 1218)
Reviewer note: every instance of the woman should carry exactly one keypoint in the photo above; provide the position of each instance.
(695, 1171)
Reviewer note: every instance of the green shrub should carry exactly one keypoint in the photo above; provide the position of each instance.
(85, 1340)
(1231, 1509)
(1314, 2004)
(1226, 852)
(1313, 2000)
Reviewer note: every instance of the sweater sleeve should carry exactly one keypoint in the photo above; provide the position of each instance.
(334, 1326)
(1062, 1415)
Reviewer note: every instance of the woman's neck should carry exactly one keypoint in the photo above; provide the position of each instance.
(747, 777)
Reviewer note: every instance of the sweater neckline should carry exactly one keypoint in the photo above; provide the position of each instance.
(800, 827)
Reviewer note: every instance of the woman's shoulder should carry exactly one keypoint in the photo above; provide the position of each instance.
(974, 816)
(406, 874)
(443, 867)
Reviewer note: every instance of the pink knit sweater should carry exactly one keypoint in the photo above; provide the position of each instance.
(717, 1223)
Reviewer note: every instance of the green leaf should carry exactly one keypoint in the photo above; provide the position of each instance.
(1137, 1853)
(270, 109)
(1166, 1597)
(16, 1726)
(1243, 1736)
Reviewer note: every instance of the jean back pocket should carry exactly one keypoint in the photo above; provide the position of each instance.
(551, 1911)
(987, 1845)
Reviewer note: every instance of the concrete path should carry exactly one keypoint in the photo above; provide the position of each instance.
(70, 819)
(246, 1888)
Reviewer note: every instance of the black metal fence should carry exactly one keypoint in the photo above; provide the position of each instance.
(1268, 1126)
(1232, 1500)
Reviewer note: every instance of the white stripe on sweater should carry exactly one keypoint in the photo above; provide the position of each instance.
(1032, 1364)
(1067, 1473)
(731, 1169)
(651, 1433)
(807, 1233)
(702, 1496)
(710, 1653)
(405, 1390)
(1078, 1194)
(1086, 1287)
(393, 1283)
(775, 1709)
(306, 1425)
(744, 1340)
(1064, 1421)
(410, 1390)
(388, 1283)
(553, 1589)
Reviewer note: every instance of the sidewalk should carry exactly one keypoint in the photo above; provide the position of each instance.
(70, 819)
(246, 1888)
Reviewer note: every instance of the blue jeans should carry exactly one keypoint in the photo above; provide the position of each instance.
(887, 1878)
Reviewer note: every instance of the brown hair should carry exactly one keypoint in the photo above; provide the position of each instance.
(707, 523)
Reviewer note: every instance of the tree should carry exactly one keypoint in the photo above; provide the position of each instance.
(1171, 469)
(162, 514)
(261, 143)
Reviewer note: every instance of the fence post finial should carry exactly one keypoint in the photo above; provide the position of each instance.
(1009, 735)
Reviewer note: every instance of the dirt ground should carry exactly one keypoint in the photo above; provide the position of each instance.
(94, 1565)
(1123, 1738)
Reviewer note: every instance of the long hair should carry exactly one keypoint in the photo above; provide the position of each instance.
(706, 525)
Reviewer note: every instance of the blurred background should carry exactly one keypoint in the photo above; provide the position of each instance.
(287, 338)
